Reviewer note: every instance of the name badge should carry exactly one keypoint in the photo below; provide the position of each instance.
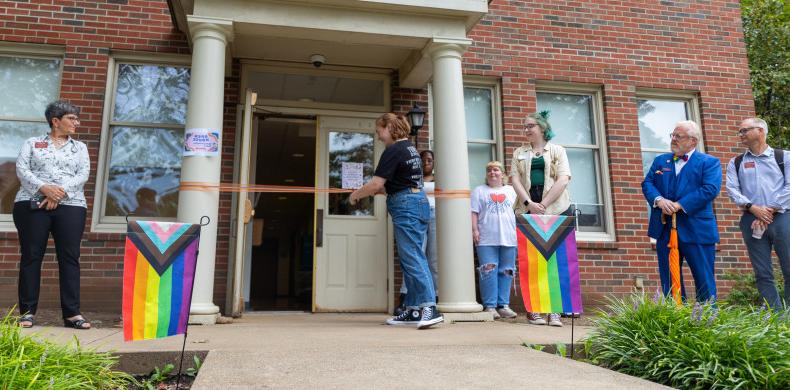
(666, 169)
(40, 145)
(749, 164)
(522, 156)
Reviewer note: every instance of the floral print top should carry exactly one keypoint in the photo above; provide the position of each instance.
(40, 163)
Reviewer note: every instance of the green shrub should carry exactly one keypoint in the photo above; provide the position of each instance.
(744, 290)
(693, 347)
(28, 362)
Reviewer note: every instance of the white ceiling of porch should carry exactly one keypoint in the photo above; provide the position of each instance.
(337, 53)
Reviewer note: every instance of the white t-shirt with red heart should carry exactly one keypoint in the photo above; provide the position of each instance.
(496, 220)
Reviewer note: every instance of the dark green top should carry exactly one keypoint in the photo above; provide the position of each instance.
(536, 176)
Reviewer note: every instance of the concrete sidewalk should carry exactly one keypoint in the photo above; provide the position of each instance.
(342, 351)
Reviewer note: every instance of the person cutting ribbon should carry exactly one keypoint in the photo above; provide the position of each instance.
(684, 183)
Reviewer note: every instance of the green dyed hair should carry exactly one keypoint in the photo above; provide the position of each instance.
(542, 119)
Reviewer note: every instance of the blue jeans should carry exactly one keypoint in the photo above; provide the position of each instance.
(497, 266)
(430, 254)
(410, 216)
(777, 235)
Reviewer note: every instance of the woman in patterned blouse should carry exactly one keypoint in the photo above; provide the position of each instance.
(52, 169)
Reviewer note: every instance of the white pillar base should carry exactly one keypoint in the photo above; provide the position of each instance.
(481, 316)
(203, 319)
(459, 307)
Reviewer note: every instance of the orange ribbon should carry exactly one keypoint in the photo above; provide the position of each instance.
(230, 187)
(199, 186)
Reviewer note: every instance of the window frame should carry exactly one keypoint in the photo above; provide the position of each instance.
(602, 164)
(34, 51)
(249, 66)
(494, 85)
(116, 224)
(689, 98)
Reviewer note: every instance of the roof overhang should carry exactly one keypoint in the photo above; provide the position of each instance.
(367, 33)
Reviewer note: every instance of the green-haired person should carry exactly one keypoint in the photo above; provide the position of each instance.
(540, 174)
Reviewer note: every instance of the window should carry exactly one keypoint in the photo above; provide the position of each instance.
(307, 87)
(483, 126)
(576, 118)
(142, 142)
(29, 83)
(658, 113)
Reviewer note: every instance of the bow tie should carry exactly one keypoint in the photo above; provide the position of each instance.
(684, 157)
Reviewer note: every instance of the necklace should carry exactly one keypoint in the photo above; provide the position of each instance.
(58, 142)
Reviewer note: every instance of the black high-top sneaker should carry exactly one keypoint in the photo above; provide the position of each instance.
(429, 316)
(407, 317)
(401, 305)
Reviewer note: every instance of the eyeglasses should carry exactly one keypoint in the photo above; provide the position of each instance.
(745, 130)
(678, 137)
(72, 118)
(530, 126)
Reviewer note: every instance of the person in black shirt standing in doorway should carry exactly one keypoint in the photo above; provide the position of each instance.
(399, 173)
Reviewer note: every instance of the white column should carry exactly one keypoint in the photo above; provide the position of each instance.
(205, 109)
(453, 214)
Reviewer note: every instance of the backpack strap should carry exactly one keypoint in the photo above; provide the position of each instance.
(738, 161)
(779, 155)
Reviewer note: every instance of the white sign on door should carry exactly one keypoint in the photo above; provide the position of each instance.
(351, 175)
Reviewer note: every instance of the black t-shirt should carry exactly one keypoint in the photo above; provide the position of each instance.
(400, 164)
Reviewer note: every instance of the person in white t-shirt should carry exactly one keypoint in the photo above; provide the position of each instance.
(494, 233)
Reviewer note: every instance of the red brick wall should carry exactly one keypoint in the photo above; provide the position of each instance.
(88, 30)
(620, 46)
(684, 46)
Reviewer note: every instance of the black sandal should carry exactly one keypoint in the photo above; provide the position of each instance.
(76, 324)
(26, 318)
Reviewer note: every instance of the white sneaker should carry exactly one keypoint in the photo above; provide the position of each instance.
(535, 319)
(554, 319)
(506, 312)
(492, 311)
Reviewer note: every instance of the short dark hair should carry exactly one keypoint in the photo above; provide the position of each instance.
(426, 151)
(58, 109)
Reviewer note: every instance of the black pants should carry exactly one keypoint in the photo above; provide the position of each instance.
(66, 223)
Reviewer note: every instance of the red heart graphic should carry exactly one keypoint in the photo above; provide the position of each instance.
(498, 198)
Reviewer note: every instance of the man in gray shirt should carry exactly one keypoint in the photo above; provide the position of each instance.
(759, 183)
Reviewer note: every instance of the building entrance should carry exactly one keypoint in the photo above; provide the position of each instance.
(281, 265)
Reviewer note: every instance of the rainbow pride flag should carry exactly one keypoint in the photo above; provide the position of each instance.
(548, 263)
(158, 271)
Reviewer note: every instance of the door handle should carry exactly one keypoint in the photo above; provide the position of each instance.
(319, 228)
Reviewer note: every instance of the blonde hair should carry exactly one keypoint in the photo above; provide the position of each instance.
(397, 125)
(501, 167)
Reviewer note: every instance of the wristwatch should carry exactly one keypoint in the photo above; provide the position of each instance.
(747, 206)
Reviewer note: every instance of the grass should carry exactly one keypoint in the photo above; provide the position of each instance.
(693, 347)
(29, 362)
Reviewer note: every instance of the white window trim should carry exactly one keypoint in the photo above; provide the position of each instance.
(37, 51)
(496, 114)
(100, 223)
(602, 165)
